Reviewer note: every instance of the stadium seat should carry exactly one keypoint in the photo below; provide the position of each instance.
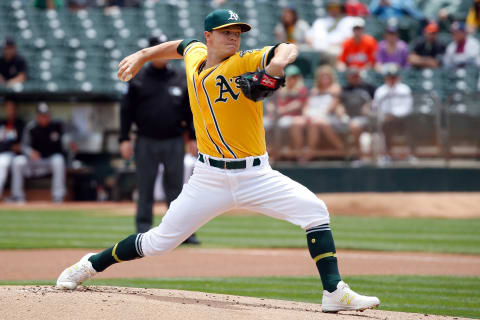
(463, 120)
(98, 41)
(424, 128)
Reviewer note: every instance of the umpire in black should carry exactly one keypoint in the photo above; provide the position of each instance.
(157, 102)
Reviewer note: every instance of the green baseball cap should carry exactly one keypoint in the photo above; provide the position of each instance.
(292, 70)
(222, 18)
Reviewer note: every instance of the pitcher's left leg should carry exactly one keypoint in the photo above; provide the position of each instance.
(278, 196)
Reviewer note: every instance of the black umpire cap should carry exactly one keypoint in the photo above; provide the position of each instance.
(155, 40)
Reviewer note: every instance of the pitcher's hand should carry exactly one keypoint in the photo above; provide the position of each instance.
(130, 65)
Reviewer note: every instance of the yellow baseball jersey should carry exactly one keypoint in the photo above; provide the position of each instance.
(227, 124)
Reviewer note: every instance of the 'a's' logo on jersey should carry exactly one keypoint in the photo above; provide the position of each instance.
(225, 89)
(233, 15)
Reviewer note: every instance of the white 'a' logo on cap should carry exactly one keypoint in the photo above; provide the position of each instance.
(233, 15)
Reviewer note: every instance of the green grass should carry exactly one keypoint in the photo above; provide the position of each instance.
(82, 229)
(453, 296)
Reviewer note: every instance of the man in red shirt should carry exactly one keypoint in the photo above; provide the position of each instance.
(358, 51)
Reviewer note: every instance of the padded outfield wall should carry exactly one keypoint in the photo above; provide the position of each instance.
(373, 179)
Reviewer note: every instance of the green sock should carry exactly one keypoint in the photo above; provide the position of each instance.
(322, 251)
(128, 249)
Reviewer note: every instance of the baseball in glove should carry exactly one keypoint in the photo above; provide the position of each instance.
(259, 85)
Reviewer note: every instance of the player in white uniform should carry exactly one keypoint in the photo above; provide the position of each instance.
(232, 171)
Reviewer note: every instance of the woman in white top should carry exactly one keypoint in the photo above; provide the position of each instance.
(324, 111)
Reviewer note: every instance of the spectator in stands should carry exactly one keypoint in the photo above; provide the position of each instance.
(292, 29)
(286, 110)
(11, 129)
(392, 49)
(463, 51)
(328, 33)
(392, 103)
(388, 9)
(324, 112)
(358, 51)
(13, 68)
(427, 50)
(80, 4)
(122, 3)
(356, 98)
(48, 4)
(43, 153)
(473, 18)
(442, 11)
(356, 8)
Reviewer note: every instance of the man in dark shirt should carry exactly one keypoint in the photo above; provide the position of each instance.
(157, 102)
(42, 154)
(11, 129)
(427, 50)
(13, 68)
(356, 98)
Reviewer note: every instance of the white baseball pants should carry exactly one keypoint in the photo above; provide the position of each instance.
(5, 161)
(23, 167)
(212, 191)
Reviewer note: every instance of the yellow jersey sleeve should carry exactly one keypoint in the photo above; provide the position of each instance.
(256, 59)
(193, 54)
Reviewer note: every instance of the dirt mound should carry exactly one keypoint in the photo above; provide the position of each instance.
(42, 302)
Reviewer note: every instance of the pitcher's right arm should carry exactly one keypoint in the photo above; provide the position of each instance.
(130, 65)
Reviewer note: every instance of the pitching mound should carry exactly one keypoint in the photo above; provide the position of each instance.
(45, 302)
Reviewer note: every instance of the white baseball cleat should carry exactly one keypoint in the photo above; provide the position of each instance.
(345, 299)
(74, 275)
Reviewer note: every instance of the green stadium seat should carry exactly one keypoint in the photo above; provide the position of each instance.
(374, 27)
(424, 121)
(105, 42)
(463, 119)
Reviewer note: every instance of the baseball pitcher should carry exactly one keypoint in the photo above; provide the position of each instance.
(226, 87)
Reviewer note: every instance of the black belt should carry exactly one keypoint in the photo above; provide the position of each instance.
(234, 164)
